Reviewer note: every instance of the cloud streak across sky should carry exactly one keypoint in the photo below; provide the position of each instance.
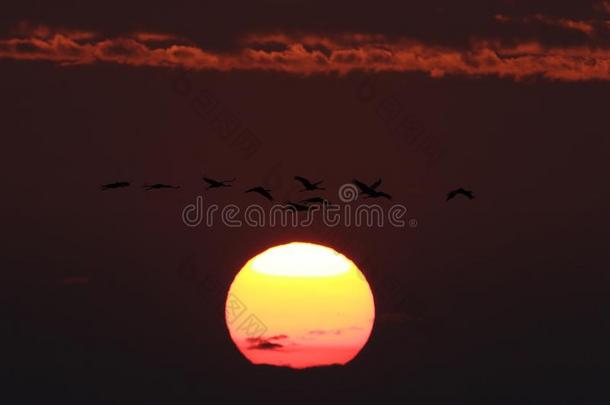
(309, 54)
(586, 27)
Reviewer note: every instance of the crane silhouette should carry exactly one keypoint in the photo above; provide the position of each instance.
(371, 191)
(158, 186)
(309, 186)
(454, 193)
(262, 191)
(118, 184)
(217, 183)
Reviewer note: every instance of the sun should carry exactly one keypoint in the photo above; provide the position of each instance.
(300, 305)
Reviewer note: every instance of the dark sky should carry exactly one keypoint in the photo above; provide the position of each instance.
(109, 297)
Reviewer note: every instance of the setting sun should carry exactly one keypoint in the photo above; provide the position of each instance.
(300, 305)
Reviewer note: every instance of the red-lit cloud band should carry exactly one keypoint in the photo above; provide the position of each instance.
(314, 54)
(586, 27)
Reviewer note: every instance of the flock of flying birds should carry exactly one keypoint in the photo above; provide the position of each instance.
(369, 191)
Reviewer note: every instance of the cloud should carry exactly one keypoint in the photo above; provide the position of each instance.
(260, 343)
(278, 337)
(586, 27)
(313, 54)
(266, 346)
(322, 332)
(153, 37)
(26, 29)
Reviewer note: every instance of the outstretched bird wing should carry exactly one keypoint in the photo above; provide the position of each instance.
(376, 184)
(468, 193)
(464, 192)
(306, 183)
(266, 194)
(363, 187)
(260, 190)
(115, 185)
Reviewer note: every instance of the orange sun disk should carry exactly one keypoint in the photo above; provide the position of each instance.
(300, 305)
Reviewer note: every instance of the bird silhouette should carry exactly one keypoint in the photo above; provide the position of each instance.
(262, 191)
(309, 186)
(295, 206)
(371, 191)
(217, 183)
(314, 200)
(118, 184)
(454, 193)
(158, 186)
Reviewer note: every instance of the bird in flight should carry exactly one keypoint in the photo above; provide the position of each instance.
(467, 193)
(309, 186)
(217, 183)
(118, 184)
(315, 200)
(295, 206)
(158, 186)
(371, 191)
(262, 191)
